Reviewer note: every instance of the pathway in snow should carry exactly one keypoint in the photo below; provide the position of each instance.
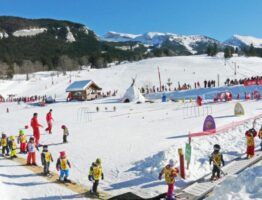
(17, 182)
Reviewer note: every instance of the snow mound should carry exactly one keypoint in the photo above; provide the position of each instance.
(246, 185)
(29, 32)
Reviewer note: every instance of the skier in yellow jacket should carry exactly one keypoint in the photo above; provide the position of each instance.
(95, 174)
(4, 144)
(170, 172)
(46, 158)
(12, 146)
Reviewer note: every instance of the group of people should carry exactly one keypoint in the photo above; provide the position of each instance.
(171, 172)
(30, 147)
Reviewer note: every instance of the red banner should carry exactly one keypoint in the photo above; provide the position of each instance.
(253, 82)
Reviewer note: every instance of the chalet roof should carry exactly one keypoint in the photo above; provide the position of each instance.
(81, 85)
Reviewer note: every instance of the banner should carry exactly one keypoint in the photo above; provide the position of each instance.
(209, 124)
(188, 152)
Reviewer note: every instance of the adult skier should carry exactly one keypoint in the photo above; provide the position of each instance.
(49, 119)
(35, 125)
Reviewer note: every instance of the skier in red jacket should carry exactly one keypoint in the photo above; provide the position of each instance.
(250, 135)
(49, 119)
(35, 125)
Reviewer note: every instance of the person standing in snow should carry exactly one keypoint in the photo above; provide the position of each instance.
(4, 144)
(12, 146)
(170, 172)
(217, 159)
(22, 140)
(31, 153)
(250, 135)
(65, 133)
(95, 174)
(46, 158)
(49, 119)
(35, 125)
(260, 137)
(63, 166)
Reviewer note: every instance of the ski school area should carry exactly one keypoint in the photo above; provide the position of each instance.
(192, 144)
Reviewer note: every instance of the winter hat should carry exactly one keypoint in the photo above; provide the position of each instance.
(217, 147)
(35, 114)
(62, 154)
(26, 127)
(98, 161)
(21, 132)
(12, 137)
(3, 135)
(171, 163)
(31, 139)
(45, 147)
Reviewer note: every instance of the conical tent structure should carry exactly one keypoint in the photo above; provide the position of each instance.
(133, 95)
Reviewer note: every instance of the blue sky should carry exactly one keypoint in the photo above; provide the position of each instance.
(215, 18)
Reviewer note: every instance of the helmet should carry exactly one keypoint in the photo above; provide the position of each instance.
(26, 127)
(3, 135)
(45, 147)
(62, 154)
(12, 137)
(31, 139)
(98, 161)
(217, 147)
(63, 127)
(21, 132)
(171, 163)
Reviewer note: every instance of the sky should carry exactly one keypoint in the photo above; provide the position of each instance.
(219, 19)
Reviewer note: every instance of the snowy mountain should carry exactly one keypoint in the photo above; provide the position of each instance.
(193, 43)
(243, 41)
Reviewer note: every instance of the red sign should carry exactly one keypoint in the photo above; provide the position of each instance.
(253, 82)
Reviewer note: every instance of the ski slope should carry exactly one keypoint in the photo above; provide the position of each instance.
(137, 140)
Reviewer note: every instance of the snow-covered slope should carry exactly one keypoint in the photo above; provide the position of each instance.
(156, 38)
(242, 41)
(246, 185)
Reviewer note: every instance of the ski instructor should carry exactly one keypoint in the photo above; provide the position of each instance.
(35, 125)
(49, 119)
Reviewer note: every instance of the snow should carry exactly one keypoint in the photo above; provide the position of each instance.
(70, 37)
(3, 35)
(239, 40)
(246, 185)
(78, 85)
(29, 32)
(119, 37)
(19, 183)
(136, 140)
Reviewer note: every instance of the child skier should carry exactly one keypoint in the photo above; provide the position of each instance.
(63, 166)
(95, 174)
(170, 172)
(65, 133)
(46, 158)
(22, 140)
(4, 144)
(31, 149)
(12, 146)
(250, 134)
(217, 159)
(260, 136)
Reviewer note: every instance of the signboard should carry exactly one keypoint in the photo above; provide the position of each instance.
(188, 152)
(239, 110)
(209, 124)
